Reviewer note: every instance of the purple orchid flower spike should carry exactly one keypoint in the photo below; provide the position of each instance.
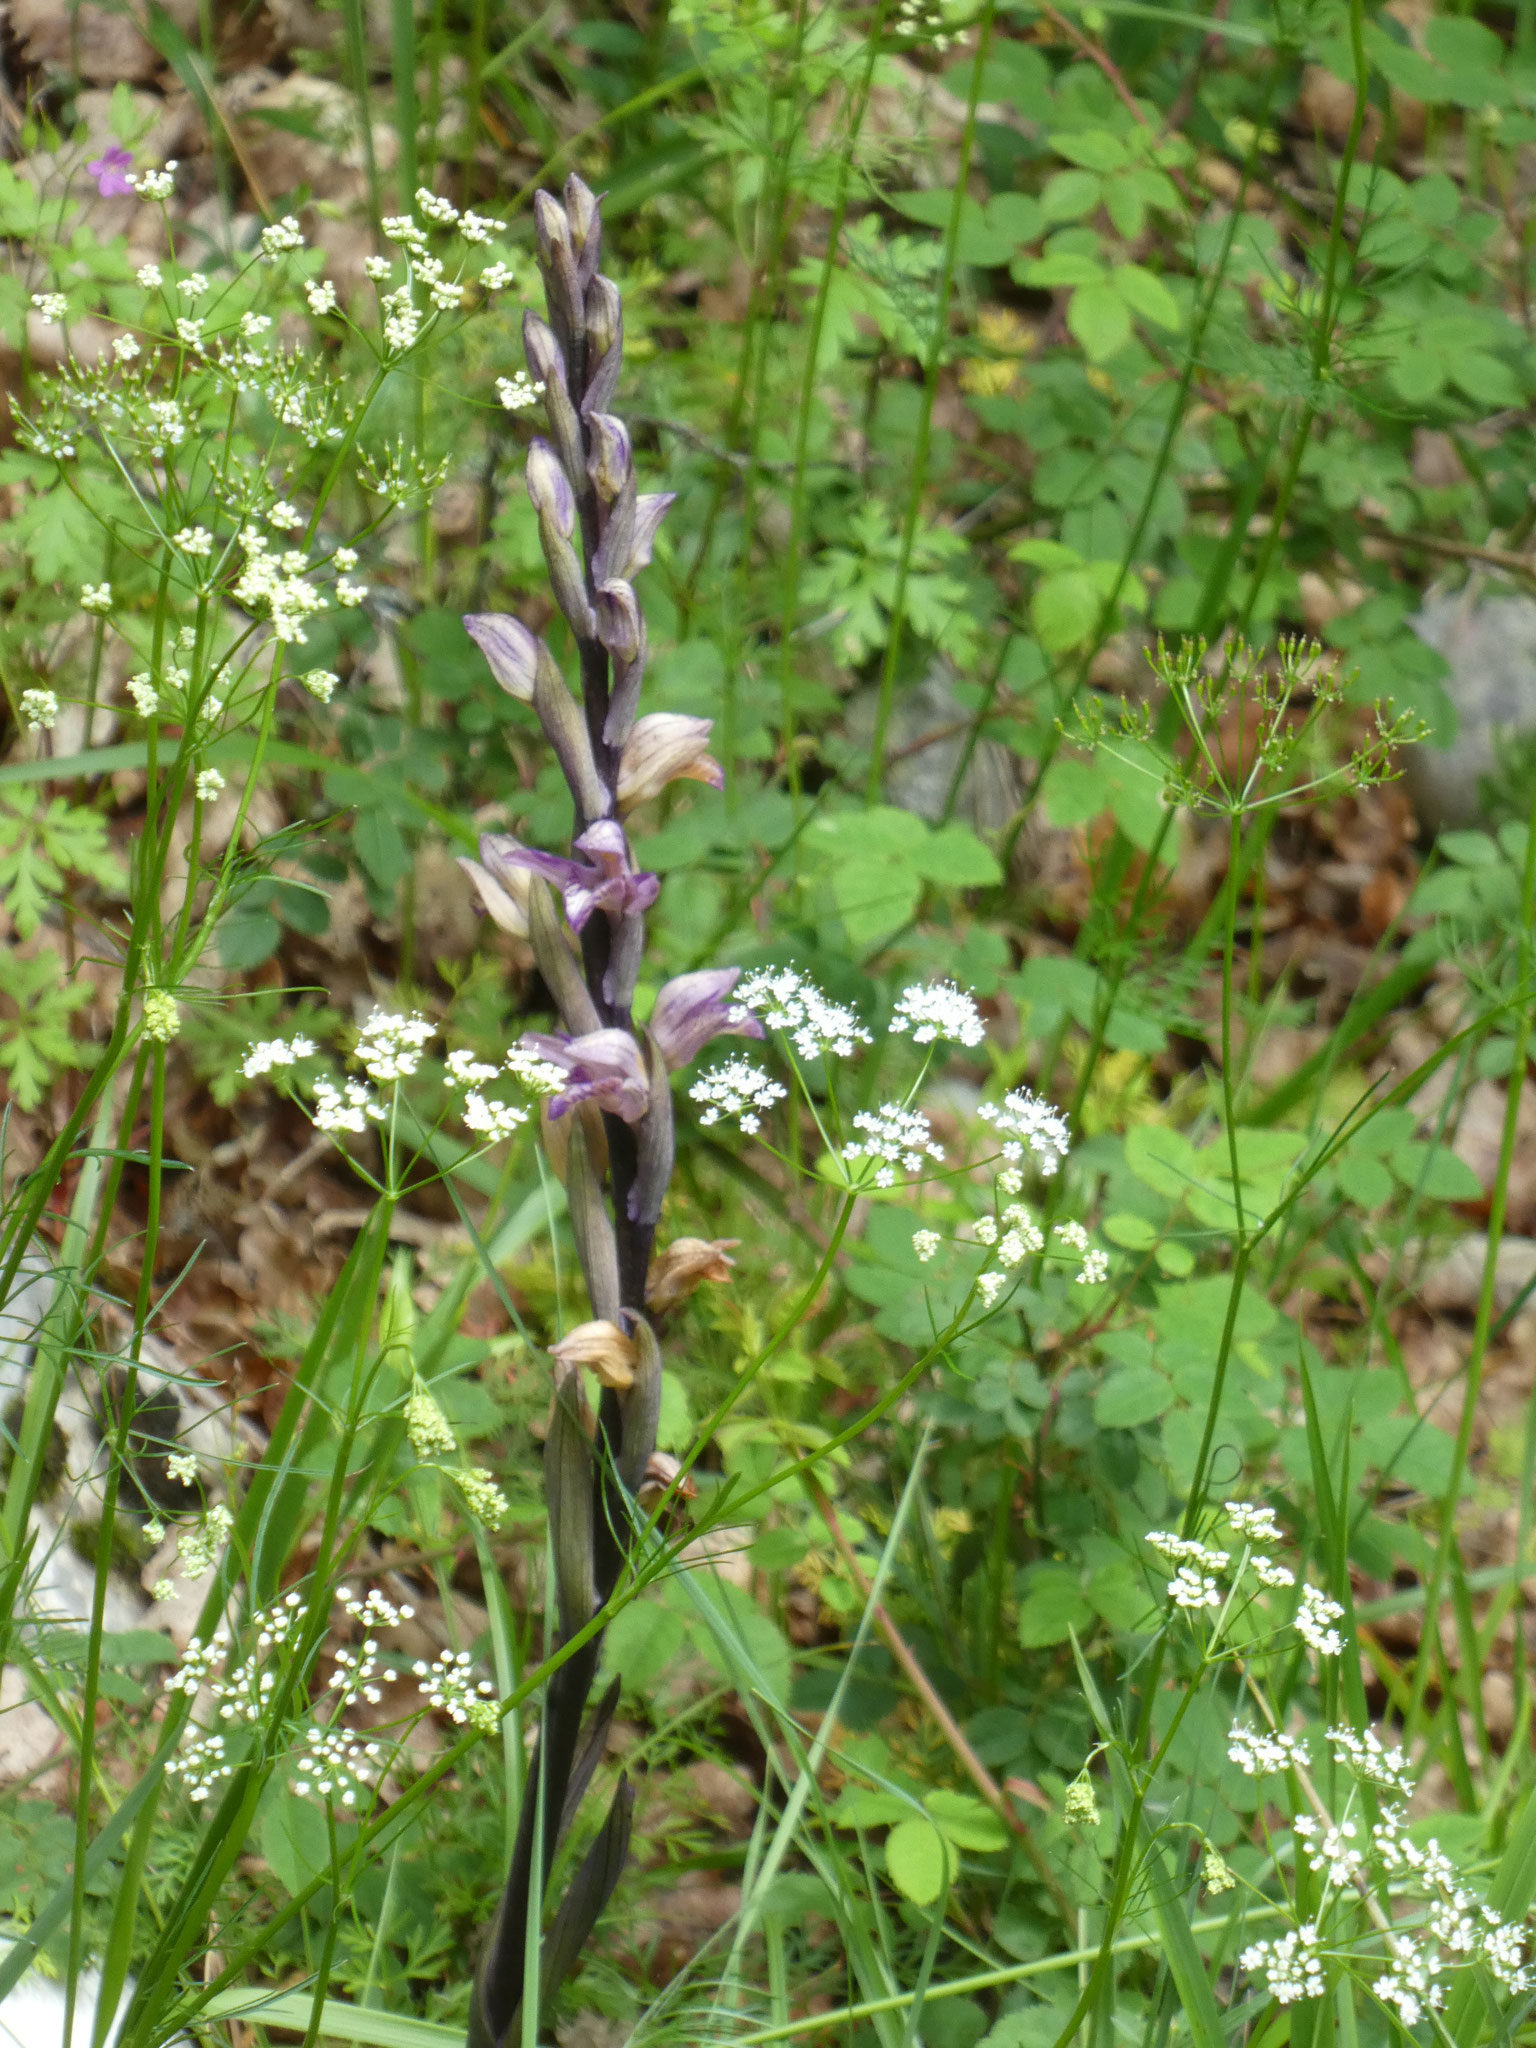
(694, 1008)
(110, 170)
(602, 1067)
(606, 880)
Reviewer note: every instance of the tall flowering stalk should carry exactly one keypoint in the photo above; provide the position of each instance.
(583, 913)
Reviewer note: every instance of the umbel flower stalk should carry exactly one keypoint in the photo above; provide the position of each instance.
(583, 913)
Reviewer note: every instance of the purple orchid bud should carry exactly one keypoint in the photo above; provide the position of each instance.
(110, 170)
(694, 1008)
(651, 507)
(546, 359)
(558, 261)
(605, 344)
(512, 651)
(665, 746)
(549, 489)
(583, 211)
(620, 626)
(611, 464)
(505, 903)
(604, 1067)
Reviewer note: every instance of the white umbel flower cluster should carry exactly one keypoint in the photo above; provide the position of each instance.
(737, 1090)
(894, 1137)
(274, 1055)
(786, 1001)
(1314, 1619)
(1371, 1761)
(389, 1045)
(1026, 1122)
(351, 1107)
(1292, 1965)
(1254, 1524)
(448, 1686)
(938, 1010)
(1264, 1753)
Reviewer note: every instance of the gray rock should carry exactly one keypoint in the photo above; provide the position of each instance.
(1490, 642)
(924, 745)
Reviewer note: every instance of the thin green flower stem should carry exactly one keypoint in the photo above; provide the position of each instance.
(332, 1925)
(117, 1458)
(922, 442)
(799, 482)
(1477, 1354)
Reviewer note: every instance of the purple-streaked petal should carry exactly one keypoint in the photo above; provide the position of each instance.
(692, 1009)
(604, 1067)
(651, 508)
(605, 843)
(509, 647)
(549, 488)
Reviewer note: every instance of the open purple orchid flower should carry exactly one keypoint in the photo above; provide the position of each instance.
(110, 170)
(602, 1067)
(694, 1008)
(606, 880)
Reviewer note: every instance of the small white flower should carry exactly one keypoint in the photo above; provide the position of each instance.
(162, 1590)
(125, 348)
(208, 784)
(474, 227)
(321, 297)
(254, 325)
(1023, 1121)
(1095, 1268)
(1371, 1760)
(1260, 1754)
(149, 276)
(96, 597)
(271, 1055)
(389, 1045)
(282, 235)
(285, 517)
(182, 1466)
(786, 1001)
(938, 1010)
(349, 1108)
(894, 1137)
(427, 1427)
(1185, 1550)
(482, 1496)
(320, 683)
(1292, 1964)
(1313, 1617)
(190, 334)
(1191, 1589)
(497, 276)
(465, 1071)
(737, 1089)
(146, 698)
(377, 268)
(1255, 1524)
(193, 285)
(350, 594)
(345, 560)
(1268, 1573)
(154, 185)
(193, 540)
(539, 1077)
(39, 710)
(519, 392)
(53, 306)
(435, 208)
(990, 1286)
(491, 1119)
(925, 1243)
